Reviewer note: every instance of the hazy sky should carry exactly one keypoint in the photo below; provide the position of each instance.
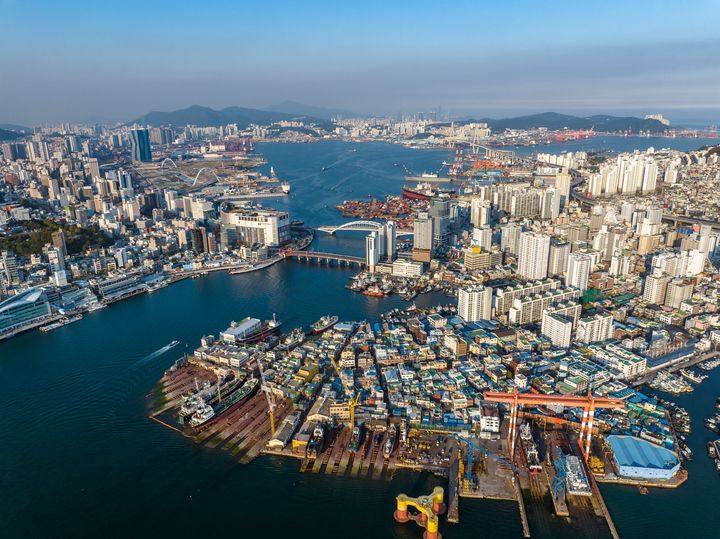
(108, 60)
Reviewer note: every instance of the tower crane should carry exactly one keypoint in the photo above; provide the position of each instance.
(269, 396)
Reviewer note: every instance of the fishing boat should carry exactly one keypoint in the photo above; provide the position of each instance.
(390, 442)
(355, 440)
(325, 323)
(316, 442)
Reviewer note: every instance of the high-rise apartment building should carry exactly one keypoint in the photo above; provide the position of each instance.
(475, 303)
(533, 255)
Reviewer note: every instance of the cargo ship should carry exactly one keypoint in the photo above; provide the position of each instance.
(317, 440)
(427, 177)
(208, 394)
(205, 412)
(424, 191)
(390, 442)
(355, 440)
(239, 396)
(325, 323)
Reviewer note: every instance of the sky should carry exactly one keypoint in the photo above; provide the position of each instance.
(108, 61)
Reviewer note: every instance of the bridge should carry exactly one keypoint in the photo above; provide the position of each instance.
(325, 258)
(363, 226)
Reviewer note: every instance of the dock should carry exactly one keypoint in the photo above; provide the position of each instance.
(453, 514)
(521, 506)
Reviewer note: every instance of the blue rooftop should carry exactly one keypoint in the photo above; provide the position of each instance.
(635, 452)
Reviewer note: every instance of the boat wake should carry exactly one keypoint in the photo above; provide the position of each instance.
(156, 353)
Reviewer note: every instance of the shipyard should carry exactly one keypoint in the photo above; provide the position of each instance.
(335, 397)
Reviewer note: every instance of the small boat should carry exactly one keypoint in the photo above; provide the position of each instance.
(373, 291)
(712, 451)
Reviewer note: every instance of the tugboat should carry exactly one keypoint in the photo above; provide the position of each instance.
(325, 322)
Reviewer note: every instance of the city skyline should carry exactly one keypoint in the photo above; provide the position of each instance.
(117, 62)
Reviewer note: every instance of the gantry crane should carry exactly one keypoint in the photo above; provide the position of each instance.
(269, 395)
(588, 403)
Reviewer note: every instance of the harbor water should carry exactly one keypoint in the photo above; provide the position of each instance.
(80, 458)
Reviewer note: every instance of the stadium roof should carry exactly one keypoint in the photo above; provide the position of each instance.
(631, 451)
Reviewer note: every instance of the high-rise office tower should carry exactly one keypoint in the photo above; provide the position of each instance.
(423, 237)
(372, 255)
(140, 144)
(439, 212)
(533, 255)
(11, 268)
(390, 240)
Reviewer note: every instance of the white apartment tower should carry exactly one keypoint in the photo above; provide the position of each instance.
(578, 270)
(475, 303)
(533, 255)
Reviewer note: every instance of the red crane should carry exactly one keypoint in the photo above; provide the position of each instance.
(588, 403)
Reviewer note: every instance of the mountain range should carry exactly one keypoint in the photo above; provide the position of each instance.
(290, 110)
(555, 121)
